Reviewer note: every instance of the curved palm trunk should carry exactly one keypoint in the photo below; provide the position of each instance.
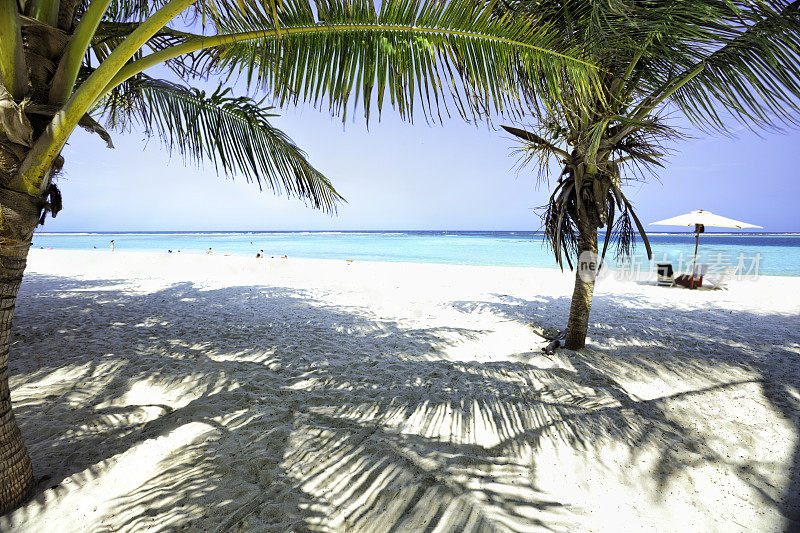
(43, 41)
(20, 214)
(578, 322)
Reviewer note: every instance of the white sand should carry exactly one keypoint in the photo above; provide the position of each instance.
(236, 394)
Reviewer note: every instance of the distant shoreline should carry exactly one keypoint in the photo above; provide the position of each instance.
(762, 253)
(644, 275)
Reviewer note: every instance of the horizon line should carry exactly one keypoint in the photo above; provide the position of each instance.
(719, 230)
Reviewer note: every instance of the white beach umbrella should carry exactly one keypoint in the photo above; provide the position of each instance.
(700, 219)
(703, 218)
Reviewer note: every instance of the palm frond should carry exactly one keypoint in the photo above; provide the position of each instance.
(233, 133)
(542, 149)
(411, 52)
(754, 75)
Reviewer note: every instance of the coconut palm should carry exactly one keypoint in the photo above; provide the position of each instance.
(70, 63)
(720, 63)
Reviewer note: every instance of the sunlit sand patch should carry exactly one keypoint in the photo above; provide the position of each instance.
(85, 497)
(506, 341)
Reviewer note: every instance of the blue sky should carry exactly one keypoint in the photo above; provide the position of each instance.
(402, 176)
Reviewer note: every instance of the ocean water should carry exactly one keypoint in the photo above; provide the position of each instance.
(755, 253)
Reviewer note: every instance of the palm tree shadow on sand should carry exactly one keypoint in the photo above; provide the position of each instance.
(271, 409)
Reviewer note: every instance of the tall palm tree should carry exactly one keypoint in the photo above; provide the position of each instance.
(70, 63)
(720, 63)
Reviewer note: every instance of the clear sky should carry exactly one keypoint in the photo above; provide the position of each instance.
(402, 176)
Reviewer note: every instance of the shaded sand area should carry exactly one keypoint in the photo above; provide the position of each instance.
(176, 392)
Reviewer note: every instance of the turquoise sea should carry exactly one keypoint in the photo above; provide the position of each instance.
(756, 253)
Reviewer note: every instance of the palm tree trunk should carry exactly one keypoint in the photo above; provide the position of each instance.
(578, 322)
(43, 45)
(20, 214)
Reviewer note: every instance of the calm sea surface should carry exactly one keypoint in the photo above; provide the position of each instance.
(775, 254)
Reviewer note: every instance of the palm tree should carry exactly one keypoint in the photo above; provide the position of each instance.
(718, 62)
(69, 63)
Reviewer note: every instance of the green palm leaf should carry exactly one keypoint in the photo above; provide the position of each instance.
(233, 133)
(754, 75)
(409, 52)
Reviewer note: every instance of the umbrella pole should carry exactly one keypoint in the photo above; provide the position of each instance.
(694, 261)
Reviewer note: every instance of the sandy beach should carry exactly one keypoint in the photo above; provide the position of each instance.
(210, 393)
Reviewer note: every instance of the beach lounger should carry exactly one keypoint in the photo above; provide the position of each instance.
(666, 276)
(694, 280)
(721, 282)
